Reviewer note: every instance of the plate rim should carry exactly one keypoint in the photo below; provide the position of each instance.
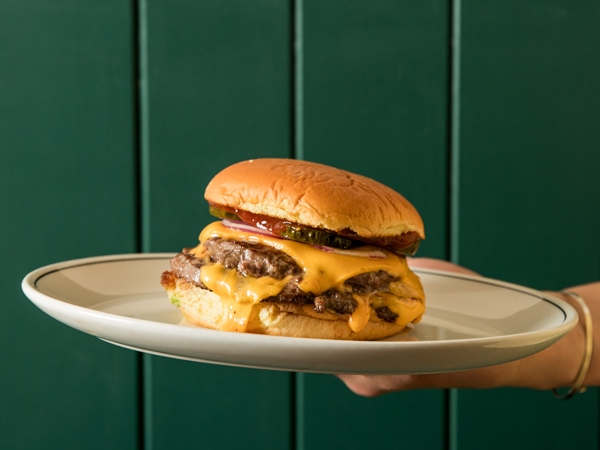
(44, 302)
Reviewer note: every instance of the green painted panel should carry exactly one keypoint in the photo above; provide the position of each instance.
(206, 406)
(330, 417)
(525, 419)
(218, 92)
(374, 98)
(374, 83)
(66, 190)
(529, 152)
(530, 147)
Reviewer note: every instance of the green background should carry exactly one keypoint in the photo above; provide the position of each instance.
(114, 115)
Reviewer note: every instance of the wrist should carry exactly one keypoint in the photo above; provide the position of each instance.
(578, 385)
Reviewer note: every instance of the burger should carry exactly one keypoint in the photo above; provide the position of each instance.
(301, 249)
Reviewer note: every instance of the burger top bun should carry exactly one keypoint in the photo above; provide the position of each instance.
(314, 195)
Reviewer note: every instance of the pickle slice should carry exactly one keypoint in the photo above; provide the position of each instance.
(411, 249)
(223, 214)
(316, 237)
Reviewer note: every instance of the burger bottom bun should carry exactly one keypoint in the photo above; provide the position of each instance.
(204, 308)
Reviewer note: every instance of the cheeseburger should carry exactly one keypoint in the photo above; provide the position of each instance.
(304, 250)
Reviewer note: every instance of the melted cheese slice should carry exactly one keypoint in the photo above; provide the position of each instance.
(323, 270)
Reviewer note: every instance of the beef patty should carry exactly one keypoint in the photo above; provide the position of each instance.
(258, 260)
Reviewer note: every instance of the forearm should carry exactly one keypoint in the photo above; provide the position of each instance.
(557, 366)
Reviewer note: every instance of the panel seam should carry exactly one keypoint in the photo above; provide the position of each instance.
(454, 161)
(143, 124)
(140, 71)
(297, 70)
(454, 59)
(297, 151)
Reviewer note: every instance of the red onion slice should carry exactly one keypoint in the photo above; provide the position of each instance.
(243, 226)
(364, 252)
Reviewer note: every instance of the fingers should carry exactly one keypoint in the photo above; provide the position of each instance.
(487, 377)
(375, 385)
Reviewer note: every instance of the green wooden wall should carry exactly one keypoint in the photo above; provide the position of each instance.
(114, 115)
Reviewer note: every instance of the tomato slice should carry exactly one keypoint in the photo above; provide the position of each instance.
(406, 243)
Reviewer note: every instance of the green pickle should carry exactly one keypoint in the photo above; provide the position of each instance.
(316, 237)
(411, 249)
(222, 214)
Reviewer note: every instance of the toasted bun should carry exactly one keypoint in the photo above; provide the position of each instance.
(315, 195)
(204, 308)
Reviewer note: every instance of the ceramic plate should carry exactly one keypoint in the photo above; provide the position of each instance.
(470, 322)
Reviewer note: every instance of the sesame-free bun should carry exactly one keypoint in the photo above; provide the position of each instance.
(314, 195)
(204, 308)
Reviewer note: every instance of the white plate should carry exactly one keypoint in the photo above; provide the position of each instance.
(470, 322)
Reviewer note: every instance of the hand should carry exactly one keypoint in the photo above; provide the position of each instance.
(553, 367)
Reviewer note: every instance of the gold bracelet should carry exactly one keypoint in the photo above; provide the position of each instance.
(578, 387)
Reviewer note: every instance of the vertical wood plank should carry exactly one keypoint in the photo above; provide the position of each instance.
(67, 190)
(529, 190)
(374, 101)
(219, 92)
(529, 149)
(375, 98)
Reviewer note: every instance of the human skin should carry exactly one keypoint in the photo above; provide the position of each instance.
(556, 366)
